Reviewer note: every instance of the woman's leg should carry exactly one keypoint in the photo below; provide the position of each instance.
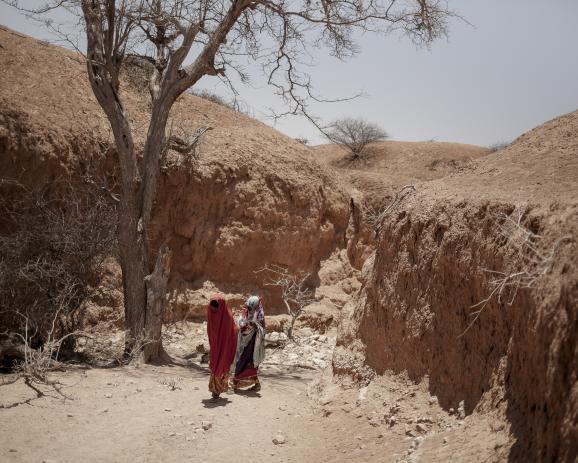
(218, 385)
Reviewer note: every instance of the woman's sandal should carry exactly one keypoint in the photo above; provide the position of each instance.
(255, 388)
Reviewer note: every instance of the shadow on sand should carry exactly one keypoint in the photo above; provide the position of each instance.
(248, 393)
(214, 403)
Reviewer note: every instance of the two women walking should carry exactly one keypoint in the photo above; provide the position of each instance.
(236, 348)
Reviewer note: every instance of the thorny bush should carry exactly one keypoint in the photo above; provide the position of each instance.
(53, 241)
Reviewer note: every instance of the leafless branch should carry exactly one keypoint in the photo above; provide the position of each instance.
(535, 263)
(294, 291)
(374, 216)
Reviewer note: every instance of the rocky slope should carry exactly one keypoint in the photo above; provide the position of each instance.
(252, 195)
(437, 260)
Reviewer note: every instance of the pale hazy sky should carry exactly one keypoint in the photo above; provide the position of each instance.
(514, 68)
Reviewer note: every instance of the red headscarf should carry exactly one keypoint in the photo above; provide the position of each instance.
(222, 337)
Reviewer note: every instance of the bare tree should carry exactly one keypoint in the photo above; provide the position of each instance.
(355, 134)
(186, 40)
(295, 293)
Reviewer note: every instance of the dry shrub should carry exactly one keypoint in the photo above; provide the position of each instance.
(498, 146)
(533, 261)
(53, 241)
(295, 292)
(234, 104)
(374, 215)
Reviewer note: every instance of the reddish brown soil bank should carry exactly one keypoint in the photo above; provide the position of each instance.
(253, 197)
(519, 359)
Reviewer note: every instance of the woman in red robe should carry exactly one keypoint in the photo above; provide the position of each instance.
(222, 333)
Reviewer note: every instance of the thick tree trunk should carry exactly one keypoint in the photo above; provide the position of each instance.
(156, 288)
(134, 271)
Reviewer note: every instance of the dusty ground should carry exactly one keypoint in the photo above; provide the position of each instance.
(154, 413)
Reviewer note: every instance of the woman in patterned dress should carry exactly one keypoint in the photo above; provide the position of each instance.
(250, 345)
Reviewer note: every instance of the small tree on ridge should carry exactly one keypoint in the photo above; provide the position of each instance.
(355, 134)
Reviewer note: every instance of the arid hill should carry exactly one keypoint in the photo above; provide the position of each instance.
(503, 231)
(469, 282)
(385, 168)
(252, 195)
(392, 164)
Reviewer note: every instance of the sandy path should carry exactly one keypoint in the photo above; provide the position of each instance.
(127, 414)
(133, 414)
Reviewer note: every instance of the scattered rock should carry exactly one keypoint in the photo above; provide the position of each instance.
(70, 415)
(361, 396)
(279, 439)
(167, 409)
(418, 441)
(108, 396)
(394, 409)
(206, 425)
(421, 428)
(445, 440)
(202, 348)
(497, 427)
(425, 419)
(433, 400)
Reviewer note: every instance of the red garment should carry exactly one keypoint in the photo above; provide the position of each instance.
(222, 337)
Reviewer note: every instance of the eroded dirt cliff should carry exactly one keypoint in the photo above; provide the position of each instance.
(253, 197)
(385, 168)
(509, 222)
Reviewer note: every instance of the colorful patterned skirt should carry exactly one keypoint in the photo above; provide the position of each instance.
(246, 374)
(219, 384)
